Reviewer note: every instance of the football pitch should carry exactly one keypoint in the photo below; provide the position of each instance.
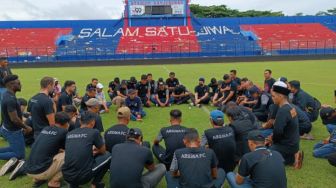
(317, 77)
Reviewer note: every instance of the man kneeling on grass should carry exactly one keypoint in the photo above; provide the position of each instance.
(47, 154)
(259, 168)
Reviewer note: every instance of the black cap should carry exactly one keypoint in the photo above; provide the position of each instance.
(134, 132)
(256, 135)
(326, 112)
(283, 79)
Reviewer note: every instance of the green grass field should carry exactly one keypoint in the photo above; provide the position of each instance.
(317, 77)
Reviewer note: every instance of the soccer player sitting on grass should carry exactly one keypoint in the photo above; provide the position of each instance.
(328, 116)
(326, 147)
(122, 91)
(201, 95)
(47, 154)
(259, 168)
(104, 107)
(112, 90)
(264, 101)
(135, 105)
(180, 95)
(162, 97)
(90, 93)
(229, 89)
(172, 82)
(194, 166)
(94, 107)
(144, 91)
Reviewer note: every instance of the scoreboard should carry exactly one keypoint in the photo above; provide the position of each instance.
(144, 8)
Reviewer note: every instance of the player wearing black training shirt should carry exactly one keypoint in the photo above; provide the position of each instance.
(128, 162)
(94, 106)
(286, 138)
(131, 84)
(172, 82)
(4, 71)
(93, 84)
(173, 137)
(180, 95)
(213, 86)
(66, 95)
(112, 91)
(259, 168)
(201, 95)
(46, 160)
(221, 139)
(151, 84)
(122, 92)
(269, 81)
(82, 163)
(162, 97)
(42, 106)
(233, 75)
(229, 89)
(194, 166)
(12, 123)
(264, 100)
(90, 93)
(143, 91)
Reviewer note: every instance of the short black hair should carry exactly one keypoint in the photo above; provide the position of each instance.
(10, 78)
(171, 73)
(226, 77)
(228, 105)
(233, 71)
(295, 84)
(191, 134)
(69, 83)
(46, 81)
(233, 112)
(89, 89)
(268, 70)
(94, 79)
(117, 80)
(70, 109)
(149, 74)
(213, 80)
(143, 77)
(62, 118)
(244, 79)
(176, 114)
(22, 102)
(88, 117)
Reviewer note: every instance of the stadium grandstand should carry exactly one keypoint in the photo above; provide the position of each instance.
(165, 29)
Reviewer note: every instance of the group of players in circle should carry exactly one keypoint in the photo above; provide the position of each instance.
(261, 137)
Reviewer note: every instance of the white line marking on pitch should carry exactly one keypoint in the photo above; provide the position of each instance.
(204, 108)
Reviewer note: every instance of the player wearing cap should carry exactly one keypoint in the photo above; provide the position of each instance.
(173, 137)
(201, 95)
(304, 101)
(93, 106)
(66, 97)
(180, 95)
(221, 139)
(172, 82)
(194, 166)
(129, 160)
(328, 116)
(42, 106)
(90, 93)
(122, 92)
(104, 107)
(229, 89)
(86, 158)
(135, 105)
(143, 91)
(241, 127)
(12, 123)
(269, 81)
(47, 154)
(131, 84)
(259, 168)
(263, 102)
(162, 97)
(286, 138)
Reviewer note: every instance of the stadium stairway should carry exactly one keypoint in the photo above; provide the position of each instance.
(293, 36)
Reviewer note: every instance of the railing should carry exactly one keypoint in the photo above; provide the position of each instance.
(169, 50)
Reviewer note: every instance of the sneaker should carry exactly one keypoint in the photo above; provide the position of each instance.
(157, 105)
(9, 166)
(199, 105)
(307, 137)
(18, 171)
(298, 160)
(191, 104)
